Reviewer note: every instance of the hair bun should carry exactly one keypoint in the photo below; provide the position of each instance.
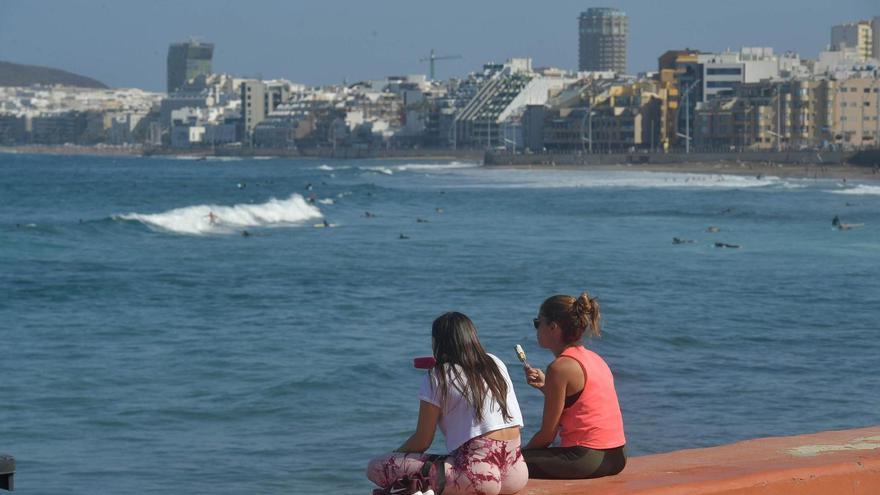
(587, 312)
(580, 310)
(583, 304)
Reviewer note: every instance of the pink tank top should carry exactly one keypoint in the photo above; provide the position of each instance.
(594, 420)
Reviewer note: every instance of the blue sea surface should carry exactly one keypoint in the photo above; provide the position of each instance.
(147, 348)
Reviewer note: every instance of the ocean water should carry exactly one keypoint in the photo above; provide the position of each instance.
(146, 348)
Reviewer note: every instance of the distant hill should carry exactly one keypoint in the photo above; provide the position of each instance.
(27, 75)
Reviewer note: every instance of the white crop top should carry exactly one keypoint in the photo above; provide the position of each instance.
(458, 419)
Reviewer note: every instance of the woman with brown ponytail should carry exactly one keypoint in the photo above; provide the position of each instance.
(580, 402)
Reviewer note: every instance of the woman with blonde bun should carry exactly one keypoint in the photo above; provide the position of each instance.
(580, 402)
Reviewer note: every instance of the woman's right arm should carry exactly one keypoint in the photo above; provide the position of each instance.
(429, 416)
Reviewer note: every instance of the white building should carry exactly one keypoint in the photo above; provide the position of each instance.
(722, 71)
(843, 64)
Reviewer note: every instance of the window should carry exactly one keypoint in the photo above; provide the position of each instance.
(718, 71)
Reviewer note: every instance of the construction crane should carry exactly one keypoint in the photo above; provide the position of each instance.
(431, 58)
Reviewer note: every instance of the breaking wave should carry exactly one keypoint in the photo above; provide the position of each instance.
(860, 190)
(216, 219)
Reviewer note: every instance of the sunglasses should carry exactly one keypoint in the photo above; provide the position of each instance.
(536, 322)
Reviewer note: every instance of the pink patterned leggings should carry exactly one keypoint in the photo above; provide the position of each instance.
(481, 466)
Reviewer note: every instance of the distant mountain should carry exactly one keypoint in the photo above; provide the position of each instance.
(27, 75)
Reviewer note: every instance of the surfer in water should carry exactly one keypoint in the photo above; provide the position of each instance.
(212, 218)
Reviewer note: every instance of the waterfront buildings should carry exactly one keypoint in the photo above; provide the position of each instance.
(793, 114)
(752, 98)
(64, 114)
(603, 34)
(187, 61)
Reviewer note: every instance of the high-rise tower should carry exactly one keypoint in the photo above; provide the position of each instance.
(186, 61)
(603, 33)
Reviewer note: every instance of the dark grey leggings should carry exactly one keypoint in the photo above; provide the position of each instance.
(574, 463)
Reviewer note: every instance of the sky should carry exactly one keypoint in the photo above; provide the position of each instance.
(124, 43)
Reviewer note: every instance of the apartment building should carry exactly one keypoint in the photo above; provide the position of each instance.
(797, 114)
(856, 119)
(621, 117)
(857, 35)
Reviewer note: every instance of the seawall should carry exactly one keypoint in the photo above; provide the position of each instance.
(832, 462)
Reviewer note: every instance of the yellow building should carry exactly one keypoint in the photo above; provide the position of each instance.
(856, 118)
(606, 117)
(678, 70)
(855, 35)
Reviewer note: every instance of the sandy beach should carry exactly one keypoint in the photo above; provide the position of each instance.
(841, 172)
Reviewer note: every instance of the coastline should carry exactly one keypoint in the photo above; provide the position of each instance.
(110, 150)
(782, 170)
(789, 171)
(73, 150)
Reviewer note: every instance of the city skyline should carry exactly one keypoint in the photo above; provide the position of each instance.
(124, 44)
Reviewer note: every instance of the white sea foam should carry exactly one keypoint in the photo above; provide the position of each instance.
(625, 179)
(196, 220)
(224, 158)
(326, 201)
(380, 170)
(860, 190)
(325, 167)
(436, 166)
(179, 157)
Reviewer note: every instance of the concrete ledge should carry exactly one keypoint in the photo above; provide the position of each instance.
(823, 463)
